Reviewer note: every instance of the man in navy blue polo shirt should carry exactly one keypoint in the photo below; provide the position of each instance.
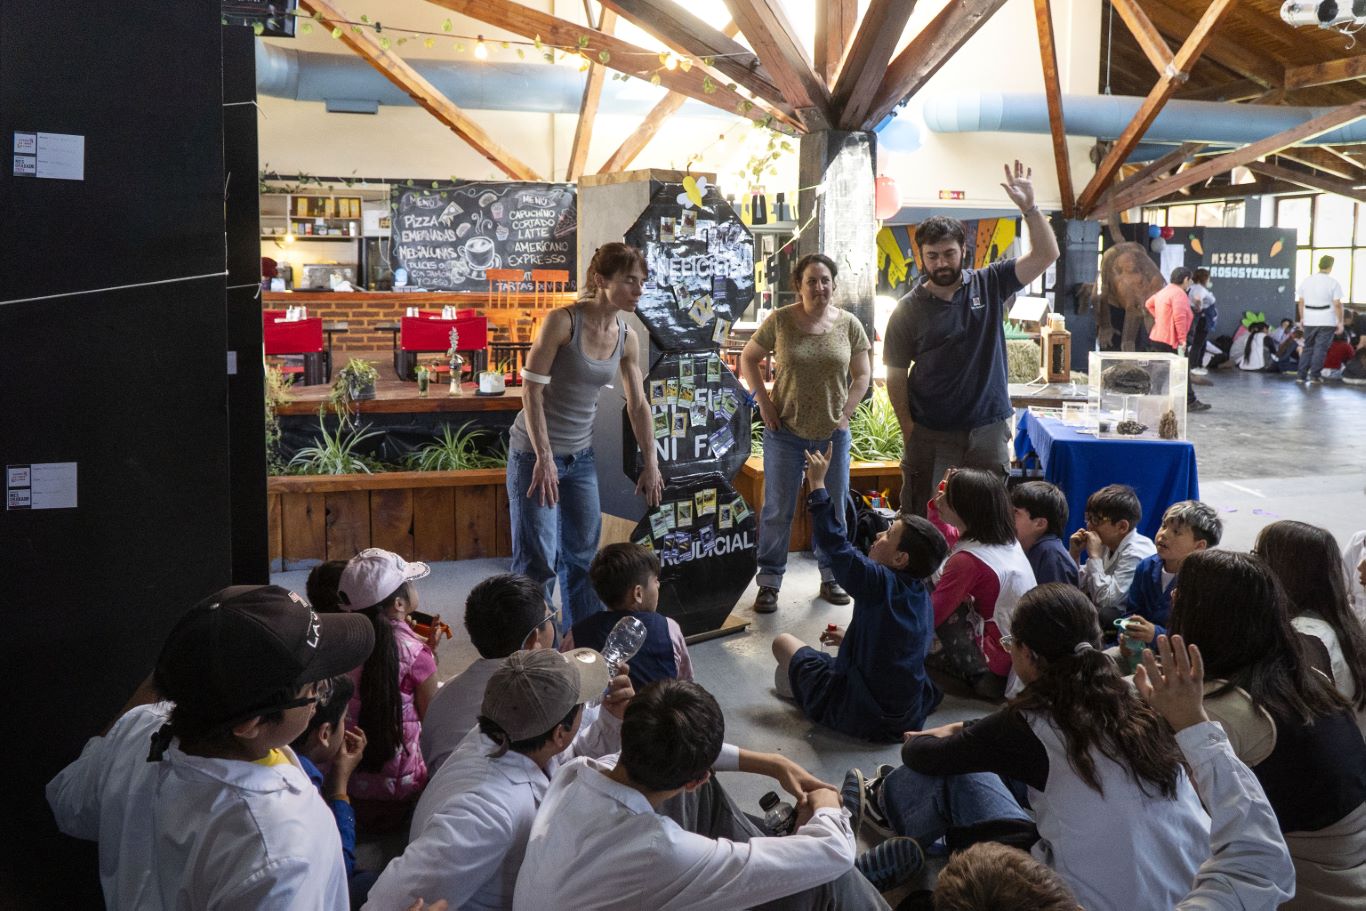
(945, 349)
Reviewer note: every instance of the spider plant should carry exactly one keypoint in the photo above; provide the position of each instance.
(455, 450)
(336, 452)
(756, 436)
(875, 433)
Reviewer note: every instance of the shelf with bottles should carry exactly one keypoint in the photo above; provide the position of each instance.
(311, 216)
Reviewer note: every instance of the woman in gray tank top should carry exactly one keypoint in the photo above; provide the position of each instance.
(552, 479)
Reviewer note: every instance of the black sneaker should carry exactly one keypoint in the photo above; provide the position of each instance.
(873, 816)
(891, 863)
(767, 600)
(1199, 406)
(854, 796)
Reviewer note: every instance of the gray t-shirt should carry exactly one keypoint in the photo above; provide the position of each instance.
(571, 397)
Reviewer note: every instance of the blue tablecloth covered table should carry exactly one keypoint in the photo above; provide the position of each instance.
(1161, 471)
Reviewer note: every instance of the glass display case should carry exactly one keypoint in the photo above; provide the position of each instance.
(1138, 395)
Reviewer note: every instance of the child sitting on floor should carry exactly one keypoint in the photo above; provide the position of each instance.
(1040, 519)
(1187, 527)
(876, 687)
(626, 578)
(1113, 547)
(326, 742)
(982, 581)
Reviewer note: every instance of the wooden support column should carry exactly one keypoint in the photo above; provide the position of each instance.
(1048, 56)
(397, 71)
(1245, 156)
(843, 224)
(588, 107)
(1174, 77)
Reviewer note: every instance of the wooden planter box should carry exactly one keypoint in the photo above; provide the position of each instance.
(419, 515)
(749, 483)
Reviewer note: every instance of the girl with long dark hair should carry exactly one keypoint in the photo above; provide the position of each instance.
(1284, 719)
(1115, 813)
(1306, 562)
(393, 687)
(986, 574)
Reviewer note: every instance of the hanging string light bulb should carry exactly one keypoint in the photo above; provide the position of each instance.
(481, 50)
(670, 62)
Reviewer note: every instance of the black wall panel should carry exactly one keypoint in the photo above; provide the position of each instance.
(129, 383)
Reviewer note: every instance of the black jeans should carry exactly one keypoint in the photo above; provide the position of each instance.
(1162, 348)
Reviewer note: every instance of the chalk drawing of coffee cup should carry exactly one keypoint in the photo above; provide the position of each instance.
(479, 253)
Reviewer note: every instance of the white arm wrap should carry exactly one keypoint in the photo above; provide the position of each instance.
(530, 377)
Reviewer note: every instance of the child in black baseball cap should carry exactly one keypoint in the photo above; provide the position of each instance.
(236, 821)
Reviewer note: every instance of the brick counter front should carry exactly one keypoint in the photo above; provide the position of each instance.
(364, 310)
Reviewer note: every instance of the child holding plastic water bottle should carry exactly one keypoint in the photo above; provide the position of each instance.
(876, 686)
(626, 578)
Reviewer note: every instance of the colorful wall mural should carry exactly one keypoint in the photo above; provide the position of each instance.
(898, 256)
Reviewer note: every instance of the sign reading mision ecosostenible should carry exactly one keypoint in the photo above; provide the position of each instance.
(450, 235)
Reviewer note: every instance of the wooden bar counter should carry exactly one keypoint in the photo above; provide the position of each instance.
(394, 396)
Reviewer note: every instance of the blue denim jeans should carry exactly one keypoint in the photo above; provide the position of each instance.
(560, 540)
(784, 470)
(926, 806)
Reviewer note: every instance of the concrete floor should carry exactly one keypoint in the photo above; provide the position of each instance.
(1269, 449)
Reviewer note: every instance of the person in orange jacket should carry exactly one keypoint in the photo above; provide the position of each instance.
(1172, 318)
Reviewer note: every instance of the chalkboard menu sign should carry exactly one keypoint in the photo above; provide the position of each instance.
(450, 235)
(700, 262)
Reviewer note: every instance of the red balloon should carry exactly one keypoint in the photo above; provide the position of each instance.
(1168, 233)
(887, 198)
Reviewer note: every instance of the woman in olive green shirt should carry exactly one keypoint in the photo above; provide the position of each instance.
(823, 370)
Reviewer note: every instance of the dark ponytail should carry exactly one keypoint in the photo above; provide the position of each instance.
(1081, 691)
(381, 706)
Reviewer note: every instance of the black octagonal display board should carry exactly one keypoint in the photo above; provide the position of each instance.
(701, 417)
(705, 536)
(701, 268)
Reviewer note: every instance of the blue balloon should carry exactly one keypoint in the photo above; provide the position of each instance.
(1154, 230)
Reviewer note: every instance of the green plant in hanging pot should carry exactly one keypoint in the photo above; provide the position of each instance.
(353, 383)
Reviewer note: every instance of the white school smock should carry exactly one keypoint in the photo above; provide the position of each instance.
(104, 796)
(230, 835)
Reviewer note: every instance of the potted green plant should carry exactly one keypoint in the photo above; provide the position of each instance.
(354, 383)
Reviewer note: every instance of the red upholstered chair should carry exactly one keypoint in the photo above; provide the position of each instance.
(303, 336)
(420, 335)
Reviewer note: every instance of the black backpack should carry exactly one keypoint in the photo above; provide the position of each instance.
(862, 523)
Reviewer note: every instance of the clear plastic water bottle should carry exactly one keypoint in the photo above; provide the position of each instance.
(623, 642)
(780, 817)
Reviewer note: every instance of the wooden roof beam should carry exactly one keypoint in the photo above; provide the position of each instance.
(1167, 84)
(878, 35)
(836, 21)
(674, 26)
(1328, 73)
(1242, 60)
(1245, 156)
(770, 33)
(1048, 57)
(588, 107)
(1310, 179)
(1149, 39)
(640, 137)
(622, 56)
(1233, 90)
(427, 96)
(1314, 157)
(939, 40)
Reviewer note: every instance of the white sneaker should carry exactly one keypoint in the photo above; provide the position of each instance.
(1199, 371)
